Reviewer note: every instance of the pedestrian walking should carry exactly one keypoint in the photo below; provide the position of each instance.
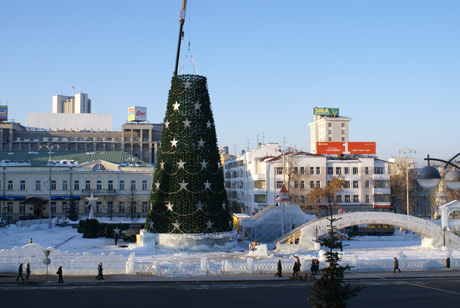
(59, 273)
(116, 238)
(448, 263)
(20, 273)
(295, 268)
(396, 265)
(316, 266)
(28, 271)
(100, 276)
(279, 273)
(30, 242)
(298, 264)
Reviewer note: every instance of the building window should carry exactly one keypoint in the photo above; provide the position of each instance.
(302, 184)
(347, 198)
(121, 207)
(122, 185)
(296, 170)
(329, 124)
(88, 184)
(343, 138)
(10, 185)
(355, 198)
(368, 199)
(382, 198)
(65, 185)
(296, 184)
(355, 184)
(339, 198)
(53, 207)
(329, 132)
(22, 208)
(133, 185)
(347, 170)
(366, 170)
(22, 185)
(144, 185)
(355, 170)
(312, 184)
(330, 170)
(343, 124)
(347, 184)
(318, 184)
(279, 170)
(76, 185)
(98, 207)
(279, 184)
(110, 185)
(259, 198)
(338, 170)
(366, 184)
(379, 170)
(38, 185)
(343, 132)
(144, 205)
(312, 170)
(53, 184)
(9, 207)
(329, 139)
(302, 170)
(99, 185)
(318, 170)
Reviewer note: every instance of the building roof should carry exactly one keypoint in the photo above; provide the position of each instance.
(40, 158)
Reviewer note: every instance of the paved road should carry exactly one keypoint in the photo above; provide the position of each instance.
(412, 289)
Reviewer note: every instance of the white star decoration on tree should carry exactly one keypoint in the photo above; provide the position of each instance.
(223, 205)
(208, 124)
(187, 84)
(157, 185)
(199, 205)
(170, 206)
(186, 123)
(176, 106)
(183, 185)
(180, 164)
(176, 225)
(209, 224)
(204, 164)
(174, 142)
(197, 106)
(167, 124)
(162, 165)
(116, 230)
(201, 143)
(218, 165)
(151, 224)
(91, 200)
(207, 185)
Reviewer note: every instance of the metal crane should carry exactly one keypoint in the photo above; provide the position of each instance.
(181, 33)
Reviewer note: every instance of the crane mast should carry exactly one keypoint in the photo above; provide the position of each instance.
(181, 33)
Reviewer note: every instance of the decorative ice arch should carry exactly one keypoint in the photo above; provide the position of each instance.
(434, 235)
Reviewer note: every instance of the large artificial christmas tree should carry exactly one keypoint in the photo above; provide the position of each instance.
(188, 193)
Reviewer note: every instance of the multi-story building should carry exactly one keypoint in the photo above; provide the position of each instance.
(327, 126)
(139, 140)
(120, 182)
(254, 179)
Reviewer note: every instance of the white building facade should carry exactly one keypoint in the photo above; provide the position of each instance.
(253, 180)
(325, 128)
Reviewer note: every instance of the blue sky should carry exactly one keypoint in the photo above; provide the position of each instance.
(393, 66)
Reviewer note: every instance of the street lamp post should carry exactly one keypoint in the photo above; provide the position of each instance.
(50, 147)
(429, 177)
(407, 151)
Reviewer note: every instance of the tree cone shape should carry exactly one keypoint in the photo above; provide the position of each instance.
(188, 193)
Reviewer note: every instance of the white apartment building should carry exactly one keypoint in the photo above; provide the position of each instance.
(253, 180)
(326, 128)
(120, 182)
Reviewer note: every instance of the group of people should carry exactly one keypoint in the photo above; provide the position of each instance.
(100, 275)
(296, 267)
(314, 268)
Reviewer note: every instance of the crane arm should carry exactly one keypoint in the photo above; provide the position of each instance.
(181, 33)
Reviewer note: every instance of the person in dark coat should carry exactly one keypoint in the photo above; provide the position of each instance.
(59, 272)
(28, 271)
(279, 273)
(298, 265)
(448, 263)
(116, 238)
(20, 273)
(100, 276)
(396, 266)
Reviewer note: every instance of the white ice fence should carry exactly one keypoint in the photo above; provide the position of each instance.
(86, 264)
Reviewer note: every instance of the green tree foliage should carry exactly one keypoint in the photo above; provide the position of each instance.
(330, 291)
(188, 193)
(73, 212)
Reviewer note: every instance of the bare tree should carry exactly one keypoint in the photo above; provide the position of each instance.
(327, 194)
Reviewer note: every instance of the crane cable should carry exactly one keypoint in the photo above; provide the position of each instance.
(181, 69)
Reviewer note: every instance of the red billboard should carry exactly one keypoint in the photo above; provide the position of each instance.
(346, 148)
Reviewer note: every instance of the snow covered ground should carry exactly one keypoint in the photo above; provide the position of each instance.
(67, 239)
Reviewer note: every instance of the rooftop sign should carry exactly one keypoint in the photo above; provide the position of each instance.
(326, 111)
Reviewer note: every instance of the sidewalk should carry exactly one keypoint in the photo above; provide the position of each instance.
(10, 279)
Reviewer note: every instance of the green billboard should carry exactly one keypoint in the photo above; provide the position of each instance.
(326, 111)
